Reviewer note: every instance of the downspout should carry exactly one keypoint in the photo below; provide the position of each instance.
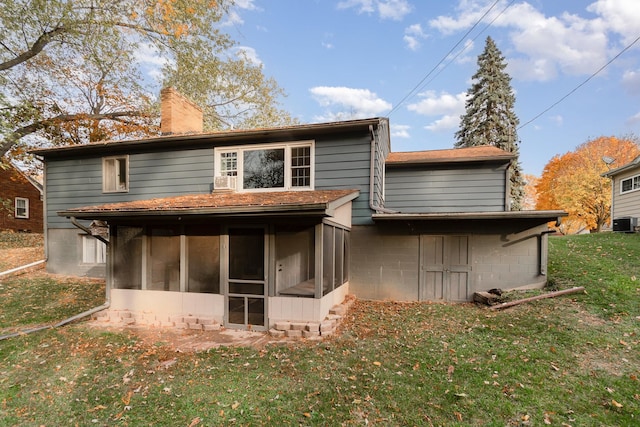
(372, 204)
(84, 314)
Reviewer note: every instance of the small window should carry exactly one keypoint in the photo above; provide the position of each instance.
(93, 250)
(115, 174)
(229, 164)
(21, 208)
(630, 184)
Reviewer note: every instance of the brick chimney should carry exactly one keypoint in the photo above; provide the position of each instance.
(178, 115)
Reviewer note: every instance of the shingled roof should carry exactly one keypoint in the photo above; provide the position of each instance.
(320, 202)
(483, 153)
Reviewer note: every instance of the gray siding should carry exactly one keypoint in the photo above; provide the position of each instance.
(627, 204)
(446, 190)
(345, 164)
(78, 182)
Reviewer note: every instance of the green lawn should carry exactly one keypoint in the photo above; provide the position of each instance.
(572, 360)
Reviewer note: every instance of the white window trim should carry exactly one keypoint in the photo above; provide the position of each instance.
(104, 174)
(287, 160)
(26, 208)
(632, 179)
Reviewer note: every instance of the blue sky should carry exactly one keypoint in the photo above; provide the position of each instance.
(347, 59)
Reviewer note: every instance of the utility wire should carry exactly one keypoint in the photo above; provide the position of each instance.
(461, 51)
(416, 87)
(572, 91)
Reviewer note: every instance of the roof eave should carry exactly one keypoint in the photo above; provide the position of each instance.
(552, 215)
(194, 140)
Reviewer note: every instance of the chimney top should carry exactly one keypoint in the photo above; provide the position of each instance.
(178, 115)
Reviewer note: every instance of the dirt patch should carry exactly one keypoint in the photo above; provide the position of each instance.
(185, 340)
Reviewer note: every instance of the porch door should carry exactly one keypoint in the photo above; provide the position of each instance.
(246, 283)
(444, 269)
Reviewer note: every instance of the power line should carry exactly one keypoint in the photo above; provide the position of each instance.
(580, 85)
(465, 48)
(412, 91)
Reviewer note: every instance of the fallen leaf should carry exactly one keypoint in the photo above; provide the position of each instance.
(235, 405)
(306, 414)
(624, 343)
(458, 416)
(377, 363)
(616, 404)
(525, 417)
(450, 370)
(195, 422)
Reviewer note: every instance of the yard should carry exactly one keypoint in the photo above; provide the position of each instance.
(572, 360)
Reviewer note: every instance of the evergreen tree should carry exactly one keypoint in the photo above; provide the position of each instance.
(489, 118)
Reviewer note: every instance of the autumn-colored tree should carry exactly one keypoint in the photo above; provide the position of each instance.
(530, 193)
(72, 71)
(573, 181)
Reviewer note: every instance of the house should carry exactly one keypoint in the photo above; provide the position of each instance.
(20, 200)
(625, 197)
(259, 226)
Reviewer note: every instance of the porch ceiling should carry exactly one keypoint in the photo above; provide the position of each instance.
(268, 203)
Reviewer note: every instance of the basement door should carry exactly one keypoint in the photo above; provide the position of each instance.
(444, 268)
(246, 278)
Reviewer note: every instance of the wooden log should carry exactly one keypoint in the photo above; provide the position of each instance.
(537, 297)
(485, 298)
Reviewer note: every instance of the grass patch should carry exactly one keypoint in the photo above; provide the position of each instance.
(38, 299)
(557, 361)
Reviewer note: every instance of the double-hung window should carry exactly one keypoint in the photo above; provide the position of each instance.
(93, 250)
(115, 174)
(278, 166)
(630, 184)
(21, 208)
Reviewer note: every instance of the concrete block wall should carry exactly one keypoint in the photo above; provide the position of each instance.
(384, 265)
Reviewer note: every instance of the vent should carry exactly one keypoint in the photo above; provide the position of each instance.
(625, 225)
(224, 183)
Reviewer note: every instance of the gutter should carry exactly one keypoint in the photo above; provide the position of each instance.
(372, 164)
(87, 230)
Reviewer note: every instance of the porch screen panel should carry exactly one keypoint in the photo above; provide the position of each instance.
(164, 260)
(295, 266)
(339, 256)
(346, 256)
(127, 263)
(327, 259)
(203, 260)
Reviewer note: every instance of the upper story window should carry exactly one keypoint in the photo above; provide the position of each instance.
(21, 208)
(286, 166)
(115, 174)
(630, 184)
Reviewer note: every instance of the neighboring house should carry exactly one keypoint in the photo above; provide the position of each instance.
(258, 226)
(20, 200)
(625, 195)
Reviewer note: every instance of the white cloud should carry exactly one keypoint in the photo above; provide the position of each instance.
(386, 9)
(348, 103)
(400, 131)
(250, 54)
(151, 61)
(544, 46)
(413, 34)
(634, 119)
(631, 81)
(449, 107)
(558, 120)
(619, 16)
